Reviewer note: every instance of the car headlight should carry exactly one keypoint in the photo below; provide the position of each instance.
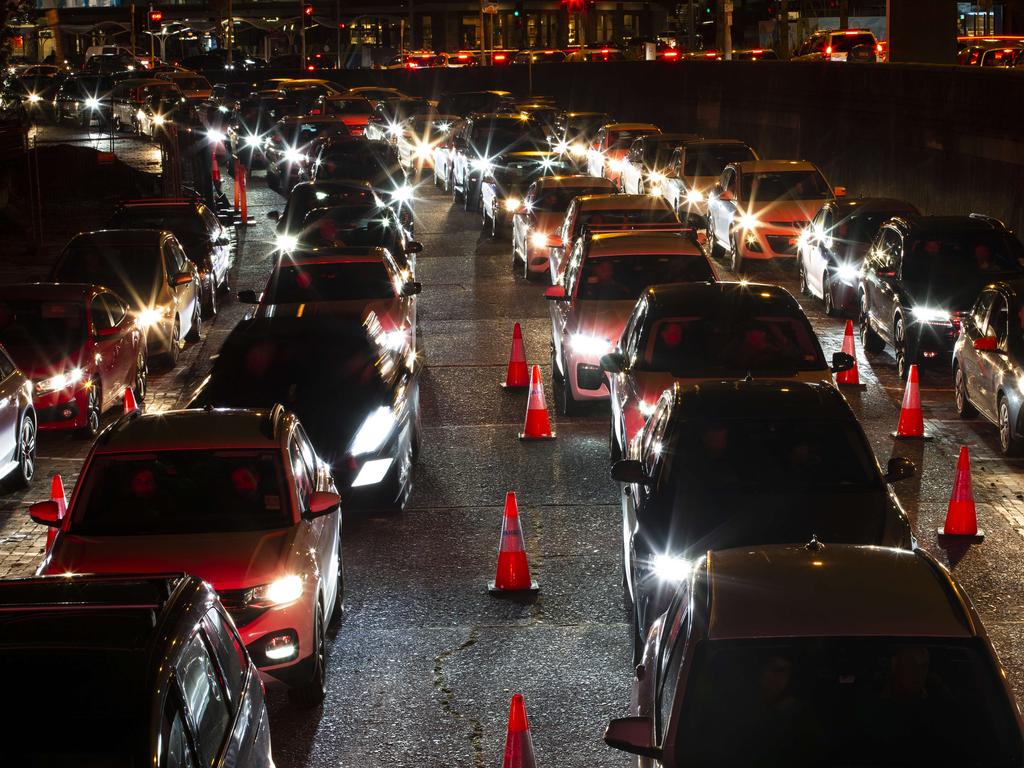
(749, 221)
(215, 136)
(60, 381)
(221, 108)
(585, 344)
(292, 155)
(148, 317)
(444, 127)
(397, 339)
(253, 141)
(671, 569)
(158, 119)
(512, 203)
(34, 97)
(930, 315)
(615, 165)
(402, 194)
(646, 409)
(562, 147)
(847, 272)
(286, 589)
(656, 177)
(394, 129)
(92, 102)
(578, 149)
(539, 240)
(286, 242)
(423, 151)
(482, 164)
(374, 431)
(694, 196)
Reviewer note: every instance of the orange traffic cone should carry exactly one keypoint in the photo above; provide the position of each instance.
(513, 573)
(911, 423)
(129, 401)
(850, 378)
(517, 377)
(538, 426)
(961, 515)
(518, 742)
(57, 496)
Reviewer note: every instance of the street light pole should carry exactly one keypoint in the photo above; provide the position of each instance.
(302, 34)
(230, 36)
(337, 30)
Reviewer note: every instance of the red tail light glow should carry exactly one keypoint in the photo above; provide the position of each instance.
(828, 51)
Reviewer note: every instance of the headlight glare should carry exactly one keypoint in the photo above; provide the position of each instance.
(930, 315)
(286, 242)
(539, 240)
(512, 204)
(147, 317)
(694, 196)
(847, 272)
(374, 431)
(92, 102)
(60, 381)
(286, 589)
(585, 344)
(671, 569)
(749, 221)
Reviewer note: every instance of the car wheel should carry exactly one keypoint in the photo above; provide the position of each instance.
(141, 383)
(312, 692)
(170, 357)
(556, 374)
(714, 249)
(469, 196)
(210, 301)
(870, 340)
(195, 333)
(567, 404)
(338, 609)
(614, 451)
(827, 297)
(1009, 445)
(735, 257)
(26, 453)
(801, 275)
(904, 357)
(963, 403)
(93, 410)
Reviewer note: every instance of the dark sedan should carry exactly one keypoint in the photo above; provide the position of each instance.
(289, 147)
(83, 99)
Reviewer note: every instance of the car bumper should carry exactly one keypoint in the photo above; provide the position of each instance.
(257, 627)
(584, 375)
(932, 341)
(61, 410)
(768, 243)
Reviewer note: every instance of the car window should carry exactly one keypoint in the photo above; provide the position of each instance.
(100, 314)
(176, 746)
(729, 181)
(6, 366)
(997, 320)
(169, 260)
(979, 315)
(573, 267)
(673, 645)
(205, 699)
(228, 651)
(180, 259)
(115, 308)
(301, 475)
(890, 252)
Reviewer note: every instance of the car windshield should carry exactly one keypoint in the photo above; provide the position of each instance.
(132, 268)
(731, 341)
(309, 283)
(621, 278)
(557, 199)
(767, 186)
(182, 492)
(861, 228)
(181, 221)
(430, 128)
(348, 106)
(711, 160)
(305, 198)
(585, 126)
(465, 103)
(355, 226)
(53, 324)
(103, 686)
(866, 702)
(192, 83)
(657, 153)
(506, 136)
(358, 162)
(626, 216)
(846, 42)
(623, 139)
(954, 260)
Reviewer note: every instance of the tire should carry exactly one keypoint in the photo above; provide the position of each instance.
(170, 357)
(210, 301)
(470, 196)
(614, 452)
(141, 383)
(963, 404)
(870, 340)
(735, 257)
(195, 333)
(338, 609)
(904, 357)
(27, 444)
(801, 273)
(1009, 445)
(93, 411)
(311, 693)
(826, 296)
(556, 374)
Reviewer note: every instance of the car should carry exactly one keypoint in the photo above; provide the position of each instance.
(152, 665)
(347, 281)
(83, 99)
(482, 143)
(755, 54)
(375, 93)
(149, 269)
(603, 211)
(390, 116)
(162, 107)
(693, 170)
(357, 391)
(759, 208)
(988, 371)
(541, 112)
(288, 148)
(19, 426)
(991, 53)
(745, 463)
(206, 241)
(746, 668)
(644, 166)
(575, 131)
(415, 60)
(80, 347)
(36, 92)
(227, 94)
(600, 53)
(922, 276)
(696, 332)
(359, 159)
(466, 103)
(541, 213)
(354, 111)
(251, 121)
(444, 153)
(833, 247)
(235, 497)
(839, 45)
(610, 146)
(505, 178)
(460, 59)
(419, 138)
(539, 57)
(607, 272)
(194, 86)
(309, 195)
(127, 98)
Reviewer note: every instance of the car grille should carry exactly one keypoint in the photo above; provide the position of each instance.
(235, 601)
(784, 244)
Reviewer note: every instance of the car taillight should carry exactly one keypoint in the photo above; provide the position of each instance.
(310, 68)
(499, 57)
(878, 47)
(955, 318)
(828, 51)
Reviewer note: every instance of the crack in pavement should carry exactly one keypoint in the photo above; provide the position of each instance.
(448, 698)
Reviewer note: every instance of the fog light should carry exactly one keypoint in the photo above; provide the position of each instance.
(281, 647)
(372, 472)
(928, 354)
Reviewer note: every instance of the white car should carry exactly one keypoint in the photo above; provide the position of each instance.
(692, 172)
(644, 166)
(605, 156)
(236, 497)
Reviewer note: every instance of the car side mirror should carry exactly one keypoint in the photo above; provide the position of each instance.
(633, 735)
(45, 513)
(986, 343)
(411, 288)
(554, 241)
(413, 246)
(274, 215)
(842, 362)
(248, 296)
(630, 471)
(555, 293)
(321, 503)
(899, 468)
(182, 278)
(725, 196)
(613, 362)
(840, 191)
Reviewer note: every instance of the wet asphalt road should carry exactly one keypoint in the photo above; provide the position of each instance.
(424, 664)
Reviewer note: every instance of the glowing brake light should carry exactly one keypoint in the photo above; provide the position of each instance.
(462, 57)
(878, 47)
(311, 68)
(757, 51)
(828, 51)
(851, 34)
(606, 50)
(710, 55)
(671, 54)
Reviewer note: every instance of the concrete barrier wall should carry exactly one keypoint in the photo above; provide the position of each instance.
(949, 139)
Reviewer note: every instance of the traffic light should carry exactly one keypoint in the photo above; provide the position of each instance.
(307, 11)
(155, 17)
(518, 10)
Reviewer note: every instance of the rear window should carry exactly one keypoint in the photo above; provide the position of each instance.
(623, 217)
(55, 324)
(954, 260)
(348, 107)
(623, 139)
(711, 160)
(309, 283)
(557, 199)
(619, 278)
(844, 43)
(132, 268)
(192, 83)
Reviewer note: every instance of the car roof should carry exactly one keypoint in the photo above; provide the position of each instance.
(775, 166)
(189, 429)
(667, 138)
(701, 297)
(47, 291)
(603, 244)
(630, 127)
(850, 205)
(716, 142)
(758, 398)
(125, 236)
(832, 590)
(579, 180)
(621, 202)
(941, 225)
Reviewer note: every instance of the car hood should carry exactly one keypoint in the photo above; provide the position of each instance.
(787, 211)
(604, 319)
(38, 362)
(388, 311)
(235, 560)
(548, 223)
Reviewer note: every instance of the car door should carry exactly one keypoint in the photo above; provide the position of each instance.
(522, 221)
(818, 243)
(10, 387)
(889, 282)
(206, 704)
(562, 311)
(626, 393)
(595, 155)
(723, 211)
(994, 365)
(112, 345)
(632, 167)
(186, 294)
(221, 250)
(320, 534)
(975, 325)
(878, 278)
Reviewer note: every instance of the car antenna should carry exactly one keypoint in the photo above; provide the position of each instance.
(814, 545)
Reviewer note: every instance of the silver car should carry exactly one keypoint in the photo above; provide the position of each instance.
(18, 425)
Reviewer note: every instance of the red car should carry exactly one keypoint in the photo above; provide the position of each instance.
(354, 111)
(79, 345)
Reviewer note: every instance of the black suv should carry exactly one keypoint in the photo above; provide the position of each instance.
(731, 464)
(150, 666)
(922, 274)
